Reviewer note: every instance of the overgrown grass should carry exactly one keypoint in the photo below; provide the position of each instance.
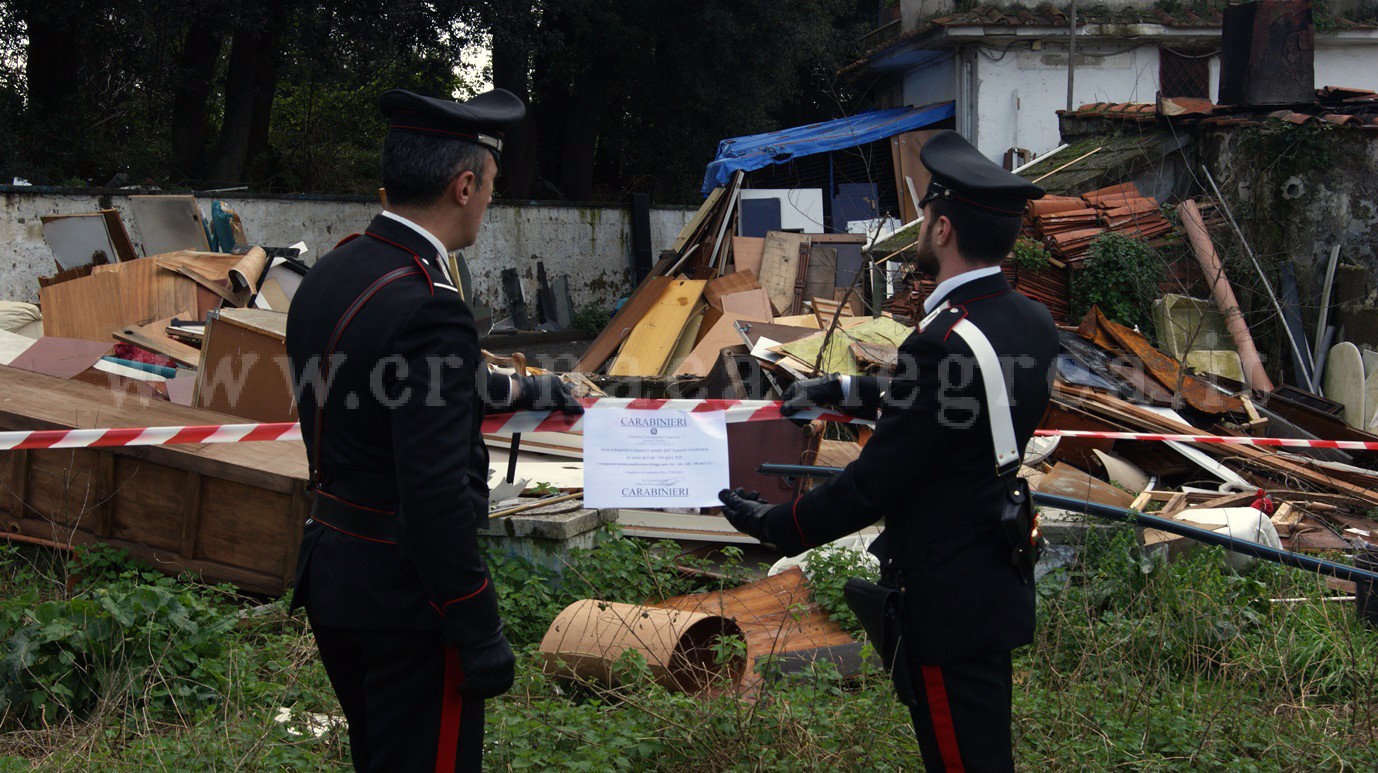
(1186, 666)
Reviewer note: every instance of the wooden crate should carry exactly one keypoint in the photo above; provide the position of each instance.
(226, 512)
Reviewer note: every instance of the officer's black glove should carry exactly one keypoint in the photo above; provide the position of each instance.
(489, 668)
(746, 512)
(831, 391)
(812, 393)
(544, 393)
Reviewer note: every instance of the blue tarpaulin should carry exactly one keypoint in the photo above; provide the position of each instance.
(760, 150)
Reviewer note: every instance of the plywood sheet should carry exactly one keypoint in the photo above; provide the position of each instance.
(728, 284)
(746, 253)
(648, 347)
(149, 292)
(88, 308)
(780, 263)
(607, 342)
(751, 304)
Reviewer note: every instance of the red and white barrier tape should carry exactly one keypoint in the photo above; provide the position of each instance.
(1230, 440)
(544, 421)
(497, 424)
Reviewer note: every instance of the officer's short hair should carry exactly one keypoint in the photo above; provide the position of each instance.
(982, 237)
(418, 167)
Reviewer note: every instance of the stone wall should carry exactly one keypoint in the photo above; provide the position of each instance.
(1298, 191)
(588, 243)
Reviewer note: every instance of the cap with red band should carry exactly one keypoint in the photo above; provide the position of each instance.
(964, 176)
(480, 120)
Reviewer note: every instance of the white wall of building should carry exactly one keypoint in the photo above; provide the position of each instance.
(933, 82)
(1347, 64)
(590, 245)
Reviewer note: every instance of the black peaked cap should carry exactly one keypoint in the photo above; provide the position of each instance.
(482, 119)
(963, 175)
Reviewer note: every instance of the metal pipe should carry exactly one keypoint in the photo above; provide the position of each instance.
(1243, 547)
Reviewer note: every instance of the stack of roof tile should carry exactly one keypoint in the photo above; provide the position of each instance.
(1068, 225)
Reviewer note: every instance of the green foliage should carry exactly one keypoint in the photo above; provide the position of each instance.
(592, 319)
(1136, 664)
(1291, 148)
(1121, 277)
(829, 569)
(142, 631)
(1030, 255)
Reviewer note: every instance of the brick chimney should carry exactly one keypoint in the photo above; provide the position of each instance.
(1267, 54)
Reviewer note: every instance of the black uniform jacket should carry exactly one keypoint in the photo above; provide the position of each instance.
(930, 471)
(400, 435)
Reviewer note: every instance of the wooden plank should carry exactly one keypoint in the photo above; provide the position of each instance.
(191, 514)
(780, 267)
(801, 278)
(18, 480)
(727, 285)
(696, 222)
(1068, 481)
(649, 345)
(607, 342)
(33, 401)
(153, 338)
(746, 253)
(88, 308)
(148, 291)
(752, 304)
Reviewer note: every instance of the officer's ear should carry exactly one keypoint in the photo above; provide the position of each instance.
(464, 187)
(943, 232)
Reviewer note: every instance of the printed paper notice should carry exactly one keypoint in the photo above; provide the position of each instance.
(655, 459)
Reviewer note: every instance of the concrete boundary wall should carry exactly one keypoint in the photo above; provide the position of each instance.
(588, 243)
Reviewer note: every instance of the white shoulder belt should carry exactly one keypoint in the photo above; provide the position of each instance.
(997, 398)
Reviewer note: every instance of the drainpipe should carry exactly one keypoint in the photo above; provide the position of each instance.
(1071, 55)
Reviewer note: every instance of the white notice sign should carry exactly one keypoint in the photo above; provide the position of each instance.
(640, 458)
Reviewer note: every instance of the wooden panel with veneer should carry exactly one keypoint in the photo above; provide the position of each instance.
(746, 253)
(611, 337)
(648, 347)
(740, 282)
(146, 496)
(148, 291)
(752, 305)
(236, 540)
(89, 308)
(780, 262)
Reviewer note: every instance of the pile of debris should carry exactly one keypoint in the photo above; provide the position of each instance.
(716, 304)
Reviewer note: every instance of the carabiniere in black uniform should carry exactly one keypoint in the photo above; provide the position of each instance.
(930, 471)
(392, 391)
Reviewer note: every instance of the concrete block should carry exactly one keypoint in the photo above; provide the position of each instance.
(545, 536)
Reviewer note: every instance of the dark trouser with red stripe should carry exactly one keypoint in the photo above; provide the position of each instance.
(963, 717)
(400, 694)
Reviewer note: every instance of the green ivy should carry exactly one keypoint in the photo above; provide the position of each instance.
(1121, 276)
(1029, 255)
(592, 319)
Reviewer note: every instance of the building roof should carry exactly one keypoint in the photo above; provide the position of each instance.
(1008, 19)
(1337, 105)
